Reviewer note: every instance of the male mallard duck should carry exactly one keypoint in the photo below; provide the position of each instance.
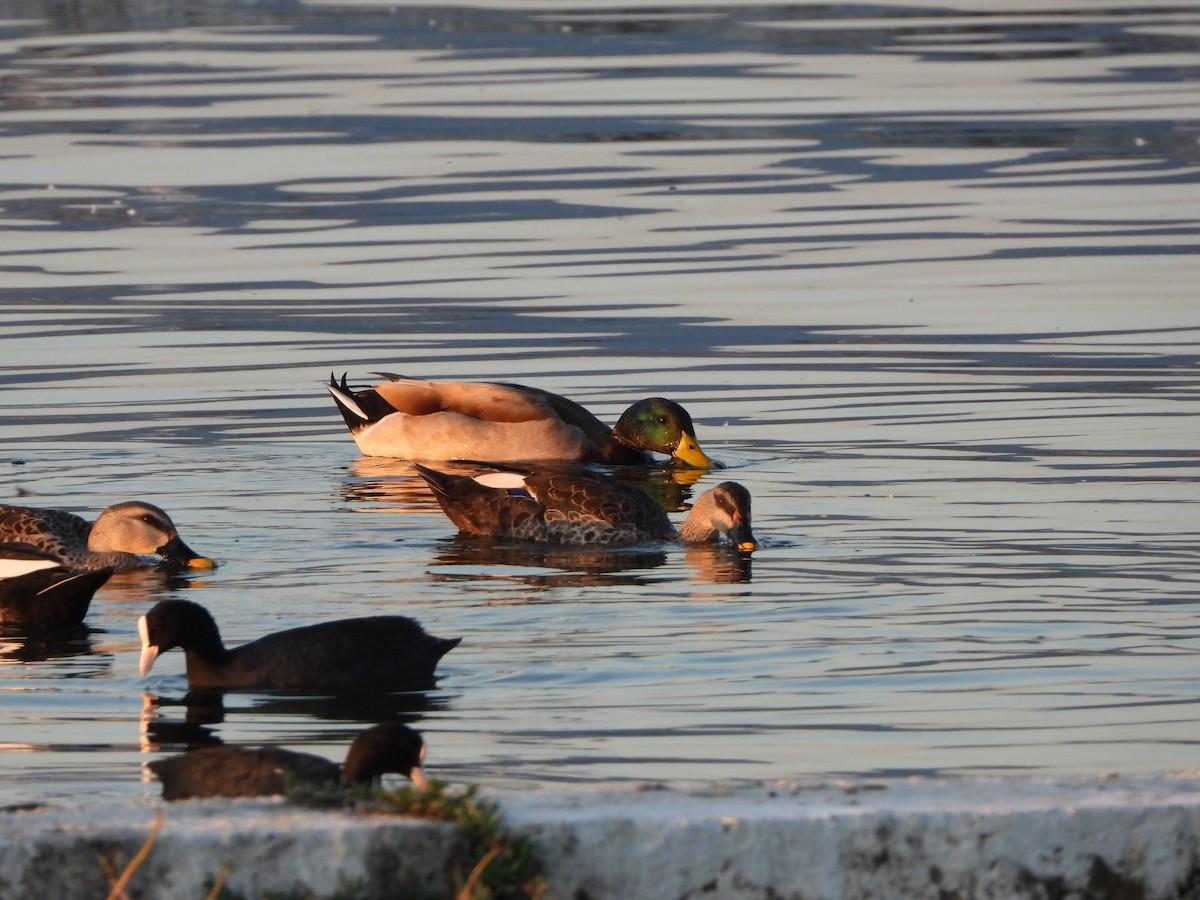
(124, 536)
(392, 652)
(410, 419)
(568, 508)
(37, 589)
(224, 771)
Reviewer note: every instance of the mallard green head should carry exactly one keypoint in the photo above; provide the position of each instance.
(662, 426)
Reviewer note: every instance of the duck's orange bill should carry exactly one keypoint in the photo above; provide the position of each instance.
(689, 451)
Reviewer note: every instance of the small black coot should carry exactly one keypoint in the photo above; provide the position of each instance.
(382, 652)
(224, 771)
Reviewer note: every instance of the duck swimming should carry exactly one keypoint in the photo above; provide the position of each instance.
(36, 589)
(125, 536)
(224, 771)
(570, 508)
(373, 652)
(411, 419)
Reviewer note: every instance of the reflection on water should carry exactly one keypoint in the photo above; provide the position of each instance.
(169, 722)
(469, 551)
(18, 645)
(923, 276)
(147, 586)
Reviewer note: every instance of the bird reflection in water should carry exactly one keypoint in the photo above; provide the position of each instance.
(145, 587)
(194, 719)
(577, 564)
(671, 486)
(20, 645)
(388, 485)
(583, 565)
(719, 564)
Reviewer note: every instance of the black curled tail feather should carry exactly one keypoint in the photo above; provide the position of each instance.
(358, 408)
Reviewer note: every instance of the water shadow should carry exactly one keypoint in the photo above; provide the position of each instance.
(194, 719)
(21, 644)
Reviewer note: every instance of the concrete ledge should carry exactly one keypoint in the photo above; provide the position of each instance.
(268, 847)
(1124, 838)
(1134, 838)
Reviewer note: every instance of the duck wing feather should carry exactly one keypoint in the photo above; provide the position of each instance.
(599, 501)
(62, 534)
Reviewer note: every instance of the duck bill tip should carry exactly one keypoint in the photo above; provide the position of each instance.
(742, 538)
(688, 451)
(176, 553)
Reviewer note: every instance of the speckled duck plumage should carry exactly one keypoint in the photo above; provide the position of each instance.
(124, 536)
(568, 508)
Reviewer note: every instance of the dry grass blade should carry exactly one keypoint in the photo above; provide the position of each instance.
(468, 890)
(118, 889)
(219, 884)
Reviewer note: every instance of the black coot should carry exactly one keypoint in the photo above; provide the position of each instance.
(382, 652)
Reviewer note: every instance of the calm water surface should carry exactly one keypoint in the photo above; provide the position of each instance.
(925, 276)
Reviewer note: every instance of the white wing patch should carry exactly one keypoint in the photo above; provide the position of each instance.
(12, 568)
(505, 481)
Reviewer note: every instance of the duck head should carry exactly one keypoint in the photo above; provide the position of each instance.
(662, 426)
(144, 529)
(723, 510)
